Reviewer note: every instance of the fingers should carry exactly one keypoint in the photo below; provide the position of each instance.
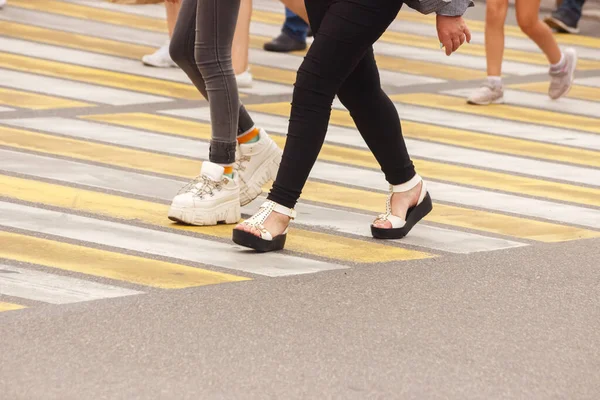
(448, 45)
(455, 43)
(467, 32)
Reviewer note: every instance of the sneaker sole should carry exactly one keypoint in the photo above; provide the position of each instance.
(229, 213)
(263, 174)
(499, 100)
(557, 24)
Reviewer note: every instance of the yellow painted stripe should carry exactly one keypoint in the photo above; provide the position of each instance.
(93, 13)
(107, 264)
(355, 198)
(34, 101)
(74, 40)
(404, 65)
(4, 306)
(307, 242)
(515, 113)
(446, 172)
(474, 25)
(98, 76)
(576, 92)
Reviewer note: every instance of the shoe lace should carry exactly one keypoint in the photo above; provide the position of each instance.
(202, 186)
(239, 163)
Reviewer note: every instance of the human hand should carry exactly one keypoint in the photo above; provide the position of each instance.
(452, 32)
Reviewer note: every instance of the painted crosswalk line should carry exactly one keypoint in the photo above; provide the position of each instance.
(34, 101)
(55, 289)
(107, 264)
(154, 214)
(592, 82)
(5, 306)
(152, 187)
(576, 92)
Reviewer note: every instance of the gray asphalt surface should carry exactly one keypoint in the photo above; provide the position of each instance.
(521, 323)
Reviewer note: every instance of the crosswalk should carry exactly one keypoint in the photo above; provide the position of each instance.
(94, 145)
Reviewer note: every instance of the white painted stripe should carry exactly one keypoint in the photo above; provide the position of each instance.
(541, 101)
(54, 289)
(592, 81)
(440, 152)
(519, 130)
(158, 243)
(4, 109)
(74, 90)
(457, 59)
(161, 188)
(263, 88)
(146, 10)
(114, 135)
(85, 27)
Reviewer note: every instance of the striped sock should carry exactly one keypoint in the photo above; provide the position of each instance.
(250, 136)
(228, 170)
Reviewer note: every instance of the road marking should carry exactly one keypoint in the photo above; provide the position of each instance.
(98, 76)
(54, 289)
(34, 101)
(91, 13)
(4, 109)
(504, 111)
(336, 195)
(73, 90)
(592, 81)
(4, 306)
(468, 176)
(157, 243)
(301, 241)
(107, 264)
(576, 92)
(422, 235)
(541, 101)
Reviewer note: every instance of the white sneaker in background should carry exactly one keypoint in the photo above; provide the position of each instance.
(2, 3)
(561, 80)
(160, 58)
(210, 198)
(256, 164)
(244, 80)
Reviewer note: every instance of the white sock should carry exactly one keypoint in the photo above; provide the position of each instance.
(495, 80)
(560, 63)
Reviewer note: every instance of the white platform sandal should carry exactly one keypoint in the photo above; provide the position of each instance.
(400, 227)
(266, 242)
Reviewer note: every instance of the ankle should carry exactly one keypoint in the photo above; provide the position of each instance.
(250, 136)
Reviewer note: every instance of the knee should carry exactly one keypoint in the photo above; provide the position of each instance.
(495, 12)
(211, 61)
(527, 21)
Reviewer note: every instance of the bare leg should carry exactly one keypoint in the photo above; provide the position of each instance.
(495, 16)
(539, 32)
(241, 38)
(172, 12)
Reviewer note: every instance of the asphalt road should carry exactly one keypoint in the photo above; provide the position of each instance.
(496, 296)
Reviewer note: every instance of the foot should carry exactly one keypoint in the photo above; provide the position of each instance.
(561, 79)
(488, 93)
(284, 43)
(244, 80)
(256, 164)
(210, 198)
(563, 21)
(400, 203)
(160, 58)
(276, 224)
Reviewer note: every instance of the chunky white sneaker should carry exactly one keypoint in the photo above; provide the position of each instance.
(244, 80)
(488, 93)
(561, 80)
(256, 164)
(207, 200)
(160, 58)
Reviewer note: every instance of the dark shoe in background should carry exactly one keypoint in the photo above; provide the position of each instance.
(284, 43)
(562, 21)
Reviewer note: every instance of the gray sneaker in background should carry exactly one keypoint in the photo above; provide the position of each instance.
(561, 80)
(488, 93)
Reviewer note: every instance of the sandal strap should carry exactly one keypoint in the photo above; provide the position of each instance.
(258, 219)
(406, 186)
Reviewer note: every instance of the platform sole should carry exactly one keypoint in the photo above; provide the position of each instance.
(261, 245)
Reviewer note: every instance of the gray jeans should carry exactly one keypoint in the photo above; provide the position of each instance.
(201, 46)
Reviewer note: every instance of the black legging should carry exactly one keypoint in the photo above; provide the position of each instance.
(341, 61)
